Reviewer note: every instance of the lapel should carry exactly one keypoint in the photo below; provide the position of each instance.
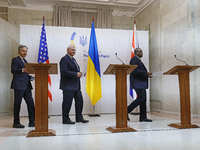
(141, 63)
(21, 62)
(72, 62)
(69, 58)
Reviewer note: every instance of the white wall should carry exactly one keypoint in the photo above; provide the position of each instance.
(174, 30)
(109, 42)
(9, 40)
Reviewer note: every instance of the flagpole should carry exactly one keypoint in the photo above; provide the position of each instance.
(93, 107)
(40, 62)
(136, 110)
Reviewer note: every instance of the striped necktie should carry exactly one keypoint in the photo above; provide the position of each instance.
(76, 64)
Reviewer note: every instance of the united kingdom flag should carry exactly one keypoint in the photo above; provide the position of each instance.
(135, 44)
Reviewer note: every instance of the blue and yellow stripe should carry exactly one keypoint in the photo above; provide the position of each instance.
(93, 80)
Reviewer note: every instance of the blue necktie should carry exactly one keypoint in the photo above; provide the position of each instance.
(25, 61)
(76, 64)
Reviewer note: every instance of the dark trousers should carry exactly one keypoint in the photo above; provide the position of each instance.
(67, 102)
(141, 100)
(27, 95)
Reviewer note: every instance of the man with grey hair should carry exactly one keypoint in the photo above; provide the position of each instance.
(22, 88)
(70, 85)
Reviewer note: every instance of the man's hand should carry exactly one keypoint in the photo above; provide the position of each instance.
(24, 70)
(149, 74)
(79, 74)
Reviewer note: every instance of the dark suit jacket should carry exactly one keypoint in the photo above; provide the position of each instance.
(21, 80)
(139, 77)
(68, 74)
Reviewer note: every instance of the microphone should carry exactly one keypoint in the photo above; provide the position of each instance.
(181, 60)
(119, 59)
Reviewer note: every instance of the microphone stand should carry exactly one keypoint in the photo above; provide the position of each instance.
(181, 60)
(119, 59)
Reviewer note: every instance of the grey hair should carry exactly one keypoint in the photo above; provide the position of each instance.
(21, 46)
(70, 45)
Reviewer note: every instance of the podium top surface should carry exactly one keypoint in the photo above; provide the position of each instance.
(52, 70)
(176, 69)
(113, 67)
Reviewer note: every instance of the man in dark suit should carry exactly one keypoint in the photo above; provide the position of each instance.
(139, 82)
(70, 84)
(22, 88)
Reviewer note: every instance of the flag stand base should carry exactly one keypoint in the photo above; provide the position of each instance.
(94, 115)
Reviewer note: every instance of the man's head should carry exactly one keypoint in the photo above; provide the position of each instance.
(71, 50)
(22, 50)
(138, 52)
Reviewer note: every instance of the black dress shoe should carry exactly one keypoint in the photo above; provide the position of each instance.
(82, 120)
(128, 118)
(68, 122)
(18, 126)
(145, 120)
(31, 124)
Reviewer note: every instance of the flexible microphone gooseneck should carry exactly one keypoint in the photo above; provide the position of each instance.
(181, 60)
(119, 59)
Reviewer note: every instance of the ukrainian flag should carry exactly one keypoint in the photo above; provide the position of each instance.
(93, 80)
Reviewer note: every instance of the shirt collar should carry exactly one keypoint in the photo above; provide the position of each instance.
(138, 57)
(70, 56)
(21, 57)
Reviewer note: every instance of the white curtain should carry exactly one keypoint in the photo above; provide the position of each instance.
(62, 16)
(104, 18)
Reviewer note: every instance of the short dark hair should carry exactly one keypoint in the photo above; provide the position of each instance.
(21, 46)
(136, 50)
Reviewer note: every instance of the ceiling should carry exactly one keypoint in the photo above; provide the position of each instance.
(127, 8)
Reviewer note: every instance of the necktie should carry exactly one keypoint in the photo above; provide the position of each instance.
(25, 61)
(75, 63)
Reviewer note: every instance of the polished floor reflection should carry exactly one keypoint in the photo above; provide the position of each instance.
(154, 135)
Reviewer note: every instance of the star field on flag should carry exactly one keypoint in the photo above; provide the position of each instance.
(43, 49)
(43, 55)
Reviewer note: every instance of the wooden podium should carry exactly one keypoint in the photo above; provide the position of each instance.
(184, 86)
(121, 72)
(41, 72)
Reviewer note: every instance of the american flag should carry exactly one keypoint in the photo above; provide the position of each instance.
(43, 55)
(43, 49)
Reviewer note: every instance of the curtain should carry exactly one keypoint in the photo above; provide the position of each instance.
(82, 17)
(62, 16)
(104, 18)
